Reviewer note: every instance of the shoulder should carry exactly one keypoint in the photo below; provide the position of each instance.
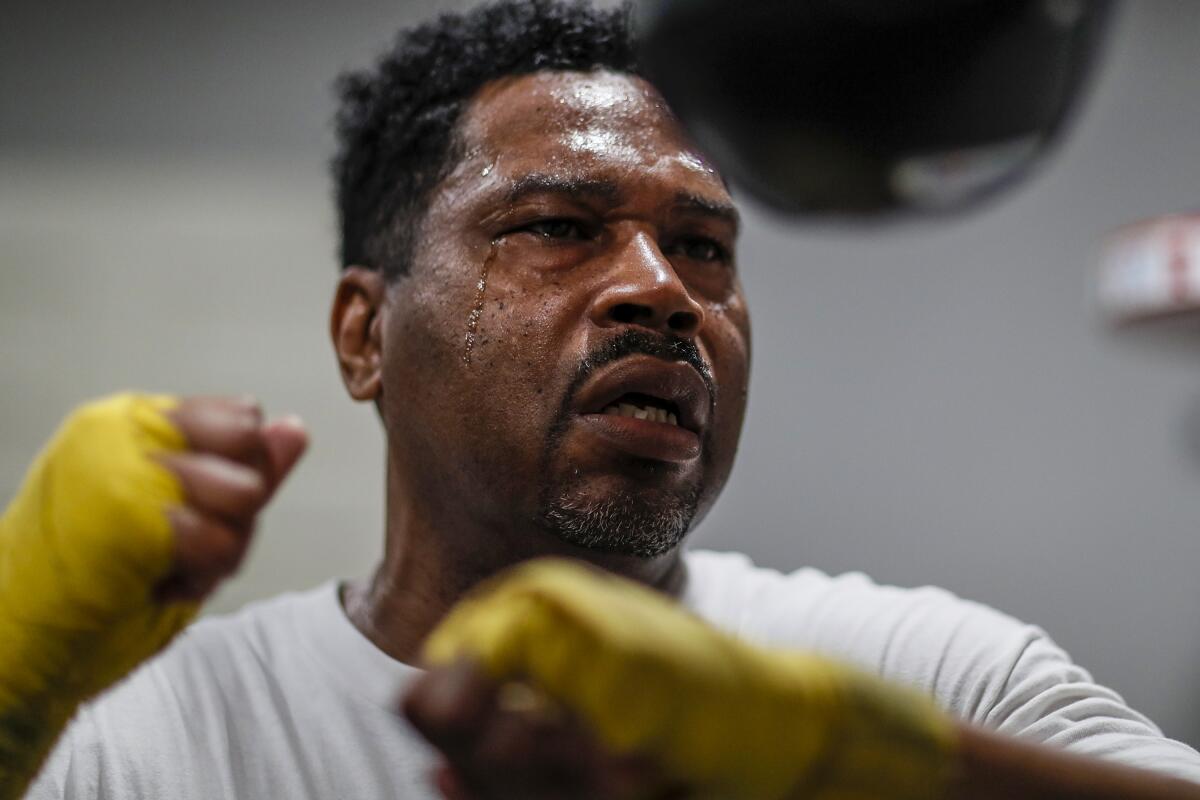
(259, 629)
(178, 708)
(225, 655)
(807, 607)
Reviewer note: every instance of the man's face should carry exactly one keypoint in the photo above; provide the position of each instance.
(570, 350)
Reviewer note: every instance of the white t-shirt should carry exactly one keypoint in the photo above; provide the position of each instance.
(286, 699)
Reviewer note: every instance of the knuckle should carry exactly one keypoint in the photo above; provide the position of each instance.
(447, 720)
(243, 433)
(226, 554)
(204, 546)
(251, 492)
(240, 490)
(454, 718)
(221, 423)
(217, 485)
(249, 407)
(507, 748)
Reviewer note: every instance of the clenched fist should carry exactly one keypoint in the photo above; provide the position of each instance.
(674, 707)
(133, 513)
(231, 467)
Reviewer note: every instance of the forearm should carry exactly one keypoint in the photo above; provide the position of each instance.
(994, 766)
(127, 518)
(719, 715)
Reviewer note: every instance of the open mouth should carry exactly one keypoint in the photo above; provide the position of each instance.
(647, 407)
(642, 406)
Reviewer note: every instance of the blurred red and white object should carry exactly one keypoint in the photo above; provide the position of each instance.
(1150, 274)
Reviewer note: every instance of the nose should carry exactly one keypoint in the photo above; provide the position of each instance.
(644, 289)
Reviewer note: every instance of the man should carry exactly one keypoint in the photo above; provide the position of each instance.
(540, 297)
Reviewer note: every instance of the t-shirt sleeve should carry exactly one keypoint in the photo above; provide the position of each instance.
(1049, 699)
(1002, 674)
(979, 664)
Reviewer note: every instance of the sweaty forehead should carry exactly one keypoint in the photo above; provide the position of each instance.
(572, 119)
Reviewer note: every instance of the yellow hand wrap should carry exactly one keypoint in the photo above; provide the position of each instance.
(731, 720)
(82, 546)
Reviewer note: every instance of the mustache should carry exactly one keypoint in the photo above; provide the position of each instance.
(631, 342)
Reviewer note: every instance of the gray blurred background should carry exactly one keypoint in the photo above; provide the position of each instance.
(938, 404)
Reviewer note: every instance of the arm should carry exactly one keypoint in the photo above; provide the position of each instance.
(993, 766)
(712, 714)
(128, 519)
(494, 749)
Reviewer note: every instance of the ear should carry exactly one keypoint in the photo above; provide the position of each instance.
(356, 326)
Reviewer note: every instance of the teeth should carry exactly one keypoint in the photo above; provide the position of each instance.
(650, 413)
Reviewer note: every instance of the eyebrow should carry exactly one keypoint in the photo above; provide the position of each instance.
(595, 188)
(576, 188)
(709, 207)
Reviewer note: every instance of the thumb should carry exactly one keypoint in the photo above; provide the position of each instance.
(286, 439)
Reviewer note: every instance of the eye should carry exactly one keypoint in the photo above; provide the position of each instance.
(700, 248)
(557, 229)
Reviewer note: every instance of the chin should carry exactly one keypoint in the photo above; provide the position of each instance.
(643, 522)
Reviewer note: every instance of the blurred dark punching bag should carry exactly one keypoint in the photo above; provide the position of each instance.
(865, 108)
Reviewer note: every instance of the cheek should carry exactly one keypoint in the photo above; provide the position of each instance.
(729, 342)
(425, 344)
(477, 379)
(427, 394)
(523, 345)
(418, 378)
(727, 338)
(526, 316)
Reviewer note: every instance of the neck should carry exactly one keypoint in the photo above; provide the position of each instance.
(432, 557)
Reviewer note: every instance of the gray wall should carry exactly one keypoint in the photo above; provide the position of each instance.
(931, 405)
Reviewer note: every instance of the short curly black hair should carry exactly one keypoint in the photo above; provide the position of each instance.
(396, 122)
